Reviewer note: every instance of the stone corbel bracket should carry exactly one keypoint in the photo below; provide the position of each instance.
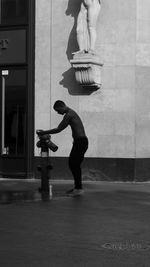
(87, 70)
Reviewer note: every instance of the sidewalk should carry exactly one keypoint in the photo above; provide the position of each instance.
(107, 227)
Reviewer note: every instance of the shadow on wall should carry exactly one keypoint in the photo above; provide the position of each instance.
(70, 83)
(73, 11)
(69, 80)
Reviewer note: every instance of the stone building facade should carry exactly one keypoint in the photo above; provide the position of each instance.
(116, 116)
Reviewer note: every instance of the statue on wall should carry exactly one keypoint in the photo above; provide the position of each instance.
(86, 25)
(86, 62)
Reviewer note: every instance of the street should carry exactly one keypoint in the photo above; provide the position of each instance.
(107, 227)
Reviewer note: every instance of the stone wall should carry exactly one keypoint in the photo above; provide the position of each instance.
(142, 86)
(116, 117)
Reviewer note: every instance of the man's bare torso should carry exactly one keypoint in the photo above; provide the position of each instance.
(75, 123)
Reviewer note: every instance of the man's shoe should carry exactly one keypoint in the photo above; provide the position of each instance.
(76, 192)
(70, 191)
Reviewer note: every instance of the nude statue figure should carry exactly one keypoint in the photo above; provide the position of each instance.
(86, 25)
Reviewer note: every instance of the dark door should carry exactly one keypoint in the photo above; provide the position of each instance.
(13, 121)
(17, 27)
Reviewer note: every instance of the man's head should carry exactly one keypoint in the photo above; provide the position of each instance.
(60, 107)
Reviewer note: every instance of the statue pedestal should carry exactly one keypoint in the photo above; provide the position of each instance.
(87, 68)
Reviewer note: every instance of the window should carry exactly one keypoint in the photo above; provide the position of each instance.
(13, 12)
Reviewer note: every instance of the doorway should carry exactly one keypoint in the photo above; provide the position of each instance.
(17, 41)
(13, 120)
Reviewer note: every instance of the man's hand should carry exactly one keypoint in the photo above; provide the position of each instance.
(40, 132)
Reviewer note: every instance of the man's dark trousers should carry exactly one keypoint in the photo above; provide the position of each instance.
(80, 146)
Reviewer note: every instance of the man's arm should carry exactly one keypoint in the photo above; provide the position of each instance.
(64, 123)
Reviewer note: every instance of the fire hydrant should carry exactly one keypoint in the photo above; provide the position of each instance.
(45, 144)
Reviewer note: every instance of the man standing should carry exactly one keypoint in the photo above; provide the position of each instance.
(80, 142)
